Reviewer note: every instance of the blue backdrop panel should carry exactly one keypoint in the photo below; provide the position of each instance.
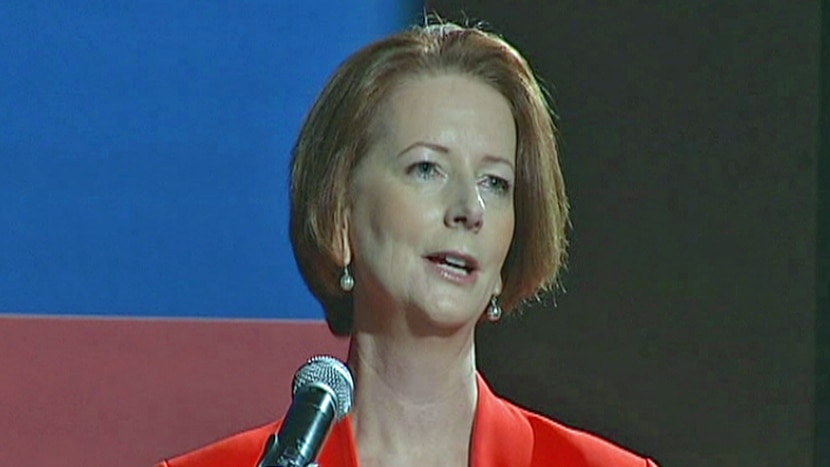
(144, 150)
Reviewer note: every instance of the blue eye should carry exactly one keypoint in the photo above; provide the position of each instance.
(497, 185)
(423, 169)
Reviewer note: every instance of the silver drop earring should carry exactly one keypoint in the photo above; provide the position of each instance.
(346, 280)
(494, 310)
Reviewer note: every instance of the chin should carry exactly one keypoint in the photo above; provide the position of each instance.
(448, 317)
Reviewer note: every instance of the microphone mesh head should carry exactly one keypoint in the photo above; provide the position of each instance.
(332, 373)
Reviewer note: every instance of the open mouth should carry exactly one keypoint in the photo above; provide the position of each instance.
(457, 263)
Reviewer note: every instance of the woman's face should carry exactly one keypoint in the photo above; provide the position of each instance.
(431, 216)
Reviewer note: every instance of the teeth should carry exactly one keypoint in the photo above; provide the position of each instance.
(457, 262)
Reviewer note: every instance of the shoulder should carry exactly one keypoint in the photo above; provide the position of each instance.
(570, 446)
(242, 449)
(506, 434)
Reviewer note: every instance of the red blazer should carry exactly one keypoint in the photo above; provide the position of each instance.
(504, 435)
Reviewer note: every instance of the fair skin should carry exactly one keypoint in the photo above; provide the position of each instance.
(427, 231)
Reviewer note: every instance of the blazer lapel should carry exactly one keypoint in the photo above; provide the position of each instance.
(501, 434)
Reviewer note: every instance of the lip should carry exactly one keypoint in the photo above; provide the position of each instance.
(452, 274)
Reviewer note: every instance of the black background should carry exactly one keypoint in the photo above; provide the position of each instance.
(689, 144)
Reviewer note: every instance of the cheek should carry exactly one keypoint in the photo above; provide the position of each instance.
(509, 231)
(392, 216)
(503, 233)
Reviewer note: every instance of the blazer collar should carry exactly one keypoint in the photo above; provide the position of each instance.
(501, 433)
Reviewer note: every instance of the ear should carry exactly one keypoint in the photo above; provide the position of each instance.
(499, 285)
(342, 247)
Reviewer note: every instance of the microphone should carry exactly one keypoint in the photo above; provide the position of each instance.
(322, 394)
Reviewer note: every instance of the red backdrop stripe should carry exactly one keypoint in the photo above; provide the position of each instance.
(130, 391)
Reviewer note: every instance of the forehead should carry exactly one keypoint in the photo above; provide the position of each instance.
(449, 107)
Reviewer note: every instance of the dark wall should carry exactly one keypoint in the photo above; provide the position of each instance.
(689, 147)
(822, 439)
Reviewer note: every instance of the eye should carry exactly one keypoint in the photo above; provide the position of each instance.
(423, 169)
(496, 184)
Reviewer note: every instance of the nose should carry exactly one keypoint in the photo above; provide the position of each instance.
(465, 208)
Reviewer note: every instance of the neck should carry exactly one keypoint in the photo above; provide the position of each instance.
(412, 392)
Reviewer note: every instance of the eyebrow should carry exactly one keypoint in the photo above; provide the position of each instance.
(424, 144)
(445, 150)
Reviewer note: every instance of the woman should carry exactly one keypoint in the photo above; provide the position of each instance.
(427, 197)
